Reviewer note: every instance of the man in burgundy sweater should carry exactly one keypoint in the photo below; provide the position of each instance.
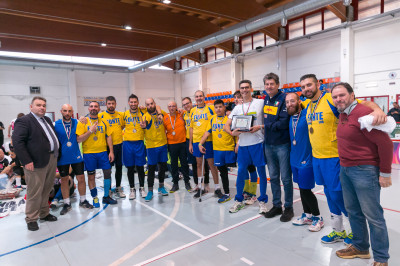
(365, 167)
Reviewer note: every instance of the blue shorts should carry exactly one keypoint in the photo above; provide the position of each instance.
(117, 155)
(304, 177)
(326, 173)
(157, 155)
(133, 153)
(224, 158)
(251, 155)
(209, 150)
(95, 161)
(190, 158)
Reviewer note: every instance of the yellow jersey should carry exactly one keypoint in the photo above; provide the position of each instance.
(186, 117)
(115, 122)
(97, 142)
(222, 141)
(154, 133)
(199, 119)
(133, 131)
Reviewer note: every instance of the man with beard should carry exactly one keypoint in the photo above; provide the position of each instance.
(133, 149)
(71, 156)
(301, 163)
(95, 137)
(322, 120)
(200, 117)
(156, 145)
(250, 151)
(114, 121)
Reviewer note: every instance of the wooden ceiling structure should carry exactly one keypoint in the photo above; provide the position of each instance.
(78, 28)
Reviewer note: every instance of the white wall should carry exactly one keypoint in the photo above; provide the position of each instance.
(189, 83)
(218, 77)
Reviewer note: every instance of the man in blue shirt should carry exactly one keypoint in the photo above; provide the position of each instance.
(71, 157)
(277, 147)
(301, 163)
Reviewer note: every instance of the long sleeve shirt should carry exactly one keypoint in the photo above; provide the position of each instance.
(276, 120)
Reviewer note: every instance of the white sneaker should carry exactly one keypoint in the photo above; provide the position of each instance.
(54, 204)
(317, 224)
(132, 195)
(120, 193)
(263, 207)
(251, 200)
(237, 206)
(142, 192)
(302, 220)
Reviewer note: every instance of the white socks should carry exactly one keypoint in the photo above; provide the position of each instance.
(337, 222)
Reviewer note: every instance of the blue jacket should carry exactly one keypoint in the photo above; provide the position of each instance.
(276, 120)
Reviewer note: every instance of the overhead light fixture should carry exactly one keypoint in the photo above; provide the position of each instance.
(347, 2)
(127, 27)
(166, 2)
(236, 38)
(103, 44)
(284, 22)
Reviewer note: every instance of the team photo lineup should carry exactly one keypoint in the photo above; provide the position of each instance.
(309, 138)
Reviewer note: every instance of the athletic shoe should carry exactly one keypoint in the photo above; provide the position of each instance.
(246, 195)
(188, 186)
(132, 195)
(120, 192)
(149, 196)
(162, 191)
(109, 200)
(218, 193)
(195, 189)
(273, 212)
(96, 202)
(262, 207)
(237, 206)
(224, 198)
(333, 237)
(85, 204)
(303, 220)
(142, 192)
(174, 188)
(66, 208)
(287, 215)
(317, 224)
(197, 195)
(348, 239)
(380, 263)
(351, 252)
(250, 200)
(53, 204)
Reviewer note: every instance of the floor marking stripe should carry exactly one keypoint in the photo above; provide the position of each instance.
(249, 262)
(55, 236)
(223, 248)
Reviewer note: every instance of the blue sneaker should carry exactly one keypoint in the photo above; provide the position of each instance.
(149, 196)
(96, 203)
(109, 200)
(349, 239)
(224, 198)
(333, 237)
(162, 191)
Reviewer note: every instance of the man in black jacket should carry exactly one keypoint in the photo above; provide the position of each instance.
(37, 147)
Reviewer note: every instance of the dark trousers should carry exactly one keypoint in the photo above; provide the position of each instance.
(131, 175)
(162, 167)
(223, 172)
(179, 151)
(309, 201)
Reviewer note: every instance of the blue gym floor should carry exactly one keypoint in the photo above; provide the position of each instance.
(179, 230)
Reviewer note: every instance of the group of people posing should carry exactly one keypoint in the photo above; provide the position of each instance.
(316, 141)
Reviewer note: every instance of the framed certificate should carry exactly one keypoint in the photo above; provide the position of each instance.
(242, 122)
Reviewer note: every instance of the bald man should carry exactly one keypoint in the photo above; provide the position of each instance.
(71, 157)
(176, 137)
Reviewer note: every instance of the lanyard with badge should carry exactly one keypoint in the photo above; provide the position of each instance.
(95, 134)
(248, 108)
(294, 128)
(134, 121)
(68, 133)
(173, 126)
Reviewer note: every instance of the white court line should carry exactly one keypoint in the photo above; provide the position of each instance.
(223, 248)
(249, 262)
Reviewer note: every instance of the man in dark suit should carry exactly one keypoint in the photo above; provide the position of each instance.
(37, 147)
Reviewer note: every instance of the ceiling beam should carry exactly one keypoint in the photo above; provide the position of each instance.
(339, 10)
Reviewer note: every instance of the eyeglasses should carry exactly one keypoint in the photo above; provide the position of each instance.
(247, 87)
(186, 104)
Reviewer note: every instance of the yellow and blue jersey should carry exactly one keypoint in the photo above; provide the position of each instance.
(186, 117)
(222, 141)
(154, 132)
(133, 131)
(199, 119)
(97, 142)
(115, 122)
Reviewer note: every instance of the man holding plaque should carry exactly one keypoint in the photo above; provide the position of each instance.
(322, 120)
(95, 137)
(176, 137)
(71, 156)
(250, 151)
